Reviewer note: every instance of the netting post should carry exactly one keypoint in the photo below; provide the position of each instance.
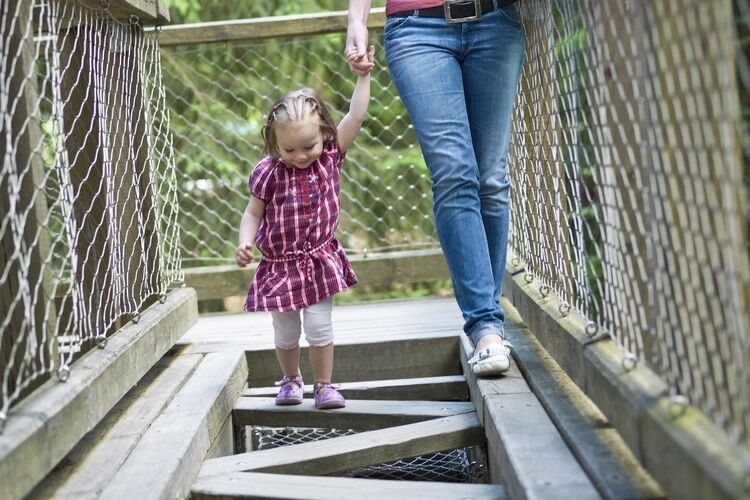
(85, 142)
(127, 125)
(27, 296)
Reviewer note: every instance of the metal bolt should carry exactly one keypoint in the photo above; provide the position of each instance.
(678, 405)
(63, 373)
(101, 341)
(543, 290)
(564, 309)
(629, 362)
(591, 329)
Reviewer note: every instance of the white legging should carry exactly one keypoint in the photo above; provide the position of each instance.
(287, 326)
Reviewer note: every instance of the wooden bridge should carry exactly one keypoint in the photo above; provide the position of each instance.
(630, 375)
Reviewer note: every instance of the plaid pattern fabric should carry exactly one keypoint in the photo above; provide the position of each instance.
(302, 262)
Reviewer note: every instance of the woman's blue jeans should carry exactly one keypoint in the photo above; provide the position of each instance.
(458, 83)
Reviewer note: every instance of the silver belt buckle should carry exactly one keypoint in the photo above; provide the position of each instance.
(447, 10)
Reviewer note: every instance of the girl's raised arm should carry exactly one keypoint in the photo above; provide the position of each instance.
(352, 122)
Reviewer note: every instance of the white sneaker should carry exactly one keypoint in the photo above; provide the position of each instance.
(492, 360)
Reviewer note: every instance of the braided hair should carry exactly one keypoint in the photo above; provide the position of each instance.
(294, 106)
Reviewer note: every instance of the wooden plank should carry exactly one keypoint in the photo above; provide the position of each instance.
(167, 459)
(447, 388)
(43, 428)
(357, 415)
(359, 450)
(396, 359)
(511, 382)
(525, 450)
(605, 457)
(416, 266)
(149, 11)
(531, 456)
(261, 485)
(89, 467)
(264, 27)
(700, 454)
(423, 316)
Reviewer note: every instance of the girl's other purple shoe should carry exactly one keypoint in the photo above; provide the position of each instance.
(291, 391)
(327, 397)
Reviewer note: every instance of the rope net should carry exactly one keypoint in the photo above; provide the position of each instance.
(89, 215)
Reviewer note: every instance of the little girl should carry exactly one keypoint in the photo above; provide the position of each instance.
(292, 217)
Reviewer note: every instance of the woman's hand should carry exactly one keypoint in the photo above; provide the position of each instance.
(244, 254)
(356, 50)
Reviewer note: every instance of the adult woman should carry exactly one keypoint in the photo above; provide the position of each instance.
(456, 66)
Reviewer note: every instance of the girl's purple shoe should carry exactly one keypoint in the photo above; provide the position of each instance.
(327, 397)
(291, 390)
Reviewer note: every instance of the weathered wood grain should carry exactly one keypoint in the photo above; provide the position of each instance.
(261, 485)
(357, 415)
(359, 450)
(447, 388)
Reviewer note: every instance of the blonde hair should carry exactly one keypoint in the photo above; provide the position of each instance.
(295, 106)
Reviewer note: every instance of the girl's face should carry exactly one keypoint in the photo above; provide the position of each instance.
(300, 142)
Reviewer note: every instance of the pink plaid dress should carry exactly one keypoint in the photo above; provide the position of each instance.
(302, 262)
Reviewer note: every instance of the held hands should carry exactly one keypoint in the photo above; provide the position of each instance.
(244, 254)
(360, 62)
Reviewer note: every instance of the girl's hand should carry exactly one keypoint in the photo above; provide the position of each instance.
(244, 253)
(361, 64)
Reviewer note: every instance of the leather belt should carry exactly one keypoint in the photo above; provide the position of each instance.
(456, 11)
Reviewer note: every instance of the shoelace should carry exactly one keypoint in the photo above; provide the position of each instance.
(489, 351)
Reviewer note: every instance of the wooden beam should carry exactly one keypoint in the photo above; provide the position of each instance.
(447, 388)
(526, 451)
(90, 466)
(43, 428)
(686, 452)
(359, 450)
(263, 27)
(599, 448)
(261, 485)
(149, 11)
(416, 266)
(357, 415)
(168, 457)
(398, 359)
(511, 382)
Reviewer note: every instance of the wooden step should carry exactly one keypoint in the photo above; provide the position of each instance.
(88, 468)
(260, 485)
(359, 450)
(357, 415)
(447, 388)
(166, 460)
(396, 357)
